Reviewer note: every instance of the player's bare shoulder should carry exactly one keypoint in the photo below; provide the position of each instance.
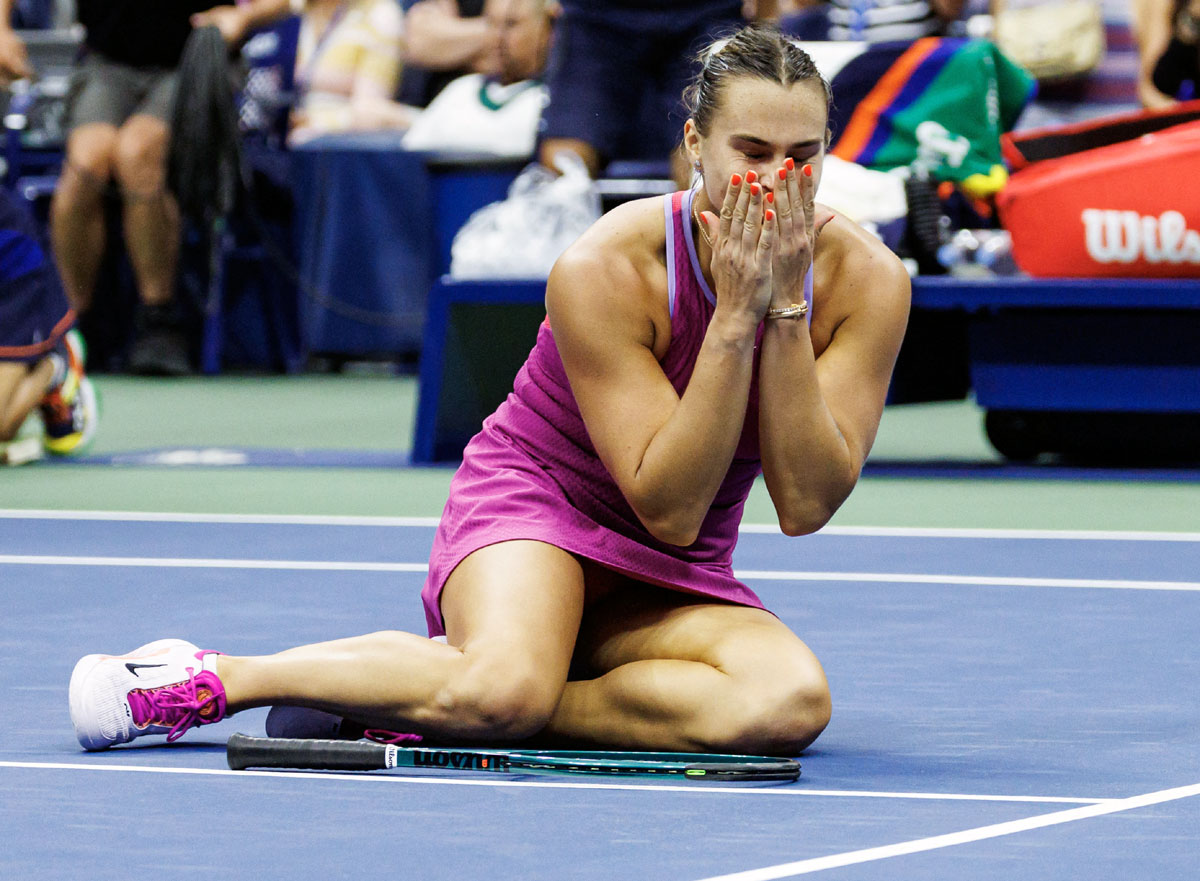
(618, 264)
(855, 273)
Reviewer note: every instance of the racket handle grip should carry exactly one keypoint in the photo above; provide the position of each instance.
(244, 751)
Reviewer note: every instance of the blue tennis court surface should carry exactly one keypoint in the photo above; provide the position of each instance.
(1006, 705)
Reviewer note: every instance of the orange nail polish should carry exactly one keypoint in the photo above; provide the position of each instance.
(735, 181)
(770, 215)
(770, 198)
(782, 174)
(751, 177)
(808, 171)
(755, 189)
(790, 163)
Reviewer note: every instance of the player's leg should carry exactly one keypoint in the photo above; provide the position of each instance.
(663, 670)
(70, 409)
(77, 225)
(512, 612)
(152, 227)
(39, 364)
(101, 97)
(150, 214)
(11, 375)
(22, 387)
(589, 91)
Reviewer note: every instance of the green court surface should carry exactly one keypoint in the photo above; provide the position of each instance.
(369, 413)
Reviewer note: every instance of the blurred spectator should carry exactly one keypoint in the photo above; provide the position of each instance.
(348, 66)
(496, 110)
(14, 61)
(119, 105)
(446, 39)
(872, 21)
(1168, 36)
(41, 357)
(616, 73)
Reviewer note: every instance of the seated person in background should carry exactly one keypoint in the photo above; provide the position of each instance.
(616, 73)
(446, 39)
(348, 66)
(1168, 36)
(495, 110)
(872, 21)
(119, 107)
(41, 357)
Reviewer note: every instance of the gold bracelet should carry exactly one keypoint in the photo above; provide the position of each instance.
(796, 310)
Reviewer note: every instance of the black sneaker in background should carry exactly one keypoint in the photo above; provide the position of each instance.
(160, 346)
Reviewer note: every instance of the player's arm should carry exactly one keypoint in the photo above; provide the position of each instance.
(668, 454)
(235, 22)
(948, 10)
(1152, 30)
(441, 39)
(818, 416)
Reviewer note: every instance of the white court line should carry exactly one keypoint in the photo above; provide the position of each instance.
(744, 574)
(170, 517)
(789, 790)
(995, 830)
(979, 532)
(984, 580)
(757, 528)
(210, 563)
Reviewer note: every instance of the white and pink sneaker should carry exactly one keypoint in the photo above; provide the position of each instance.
(165, 687)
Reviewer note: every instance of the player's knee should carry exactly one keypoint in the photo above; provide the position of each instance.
(140, 162)
(801, 712)
(780, 716)
(91, 152)
(500, 703)
(82, 183)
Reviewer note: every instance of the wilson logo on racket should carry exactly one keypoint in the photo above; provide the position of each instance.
(462, 761)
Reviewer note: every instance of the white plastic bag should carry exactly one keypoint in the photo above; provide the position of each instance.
(523, 235)
(864, 195)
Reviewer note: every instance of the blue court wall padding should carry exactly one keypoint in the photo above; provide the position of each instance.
(1117, 360)
(374, 225)
(365, 245)
(478, 335)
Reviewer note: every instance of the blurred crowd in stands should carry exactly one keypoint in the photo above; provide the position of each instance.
(520, 78)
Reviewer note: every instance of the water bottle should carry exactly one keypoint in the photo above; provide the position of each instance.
(995, 252)
(978, 253)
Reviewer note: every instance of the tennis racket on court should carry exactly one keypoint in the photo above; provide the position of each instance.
(245, 752)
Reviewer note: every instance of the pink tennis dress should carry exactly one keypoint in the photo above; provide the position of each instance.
(532, 473)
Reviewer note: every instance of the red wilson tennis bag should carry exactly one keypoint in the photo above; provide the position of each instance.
(1023, 148)
(1126, 209)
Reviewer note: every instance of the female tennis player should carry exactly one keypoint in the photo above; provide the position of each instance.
(581, 572)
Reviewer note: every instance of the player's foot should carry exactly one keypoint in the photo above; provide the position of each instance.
(165, 687)
(306, 724)
(69, 412)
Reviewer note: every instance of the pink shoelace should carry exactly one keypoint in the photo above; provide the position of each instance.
(394, 738)
(198, 701)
